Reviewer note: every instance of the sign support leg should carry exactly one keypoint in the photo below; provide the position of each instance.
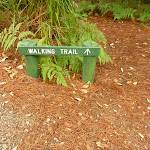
(32, 65)
(89, 63)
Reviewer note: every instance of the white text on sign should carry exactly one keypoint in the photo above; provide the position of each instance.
(68, 51)
(43, 51)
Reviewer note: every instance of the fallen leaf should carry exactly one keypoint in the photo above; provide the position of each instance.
(20, 67)
(144, 43)
(50, 129)
(128, 82)
(11, 93)
(121, 69)
(67, 129)
(12, 75)
(148, 100)
(7, 69)
(84, 91)
(4, 95)
(141, 135)
(101, 145)
(138, 47)
(2, 83)
(106, 105)
(79, 123)
(2, 60)
(120, 84)
(78, 99)
(85, 86)
(135, 83)
(131, 68)
(15, 148)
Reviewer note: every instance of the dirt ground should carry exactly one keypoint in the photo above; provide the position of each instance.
(113, 113)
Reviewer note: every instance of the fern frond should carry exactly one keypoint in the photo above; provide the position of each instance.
(7, 41)
(61, 80)
(104, 7)
(11, 29)
(25, 34)
(41, 41)
(5, 31)
(50, 70)
(10, 43)
(144, 17)
(51, 74)
(1, 36)
(17, 27)
(104, 57)
(44, 71)
(4, 39)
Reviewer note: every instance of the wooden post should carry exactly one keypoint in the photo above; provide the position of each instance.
(89, 63)
(32, 65)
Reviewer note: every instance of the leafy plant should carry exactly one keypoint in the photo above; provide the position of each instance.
(120, 12)
(50, 70)
(8, 37)
(144, 17)
(72, 36)
(104, 7)
(84, 7)
(104, 57)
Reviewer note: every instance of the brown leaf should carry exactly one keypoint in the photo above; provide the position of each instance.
(50, 129)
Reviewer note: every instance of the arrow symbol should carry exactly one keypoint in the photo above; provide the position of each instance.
(87, 52)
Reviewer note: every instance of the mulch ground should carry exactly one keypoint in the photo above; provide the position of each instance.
(112, 113)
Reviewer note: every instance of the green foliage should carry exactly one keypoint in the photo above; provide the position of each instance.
(104, 57)
(144, 13)
(73, 63)
(9, 37)
(50, 70)
(84, 31)
(119, 9)
(104, 7)
(84, 7)
(55, 22)
(144, 17)
(120, 12)
(73, 36)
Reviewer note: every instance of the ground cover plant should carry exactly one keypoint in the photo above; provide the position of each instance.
(119, 9)
(53, 23)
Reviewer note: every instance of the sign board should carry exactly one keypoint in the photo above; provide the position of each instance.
(59, 50)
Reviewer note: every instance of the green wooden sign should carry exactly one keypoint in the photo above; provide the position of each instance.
(59, 50)
(89, 51)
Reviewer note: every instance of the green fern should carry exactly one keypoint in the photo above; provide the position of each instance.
(51, 70)
(73, 63)
(104, 7)
(10, 36)
(104, 57)
(84, 7)
(120, 12)
(144, 17)
(55, 68)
